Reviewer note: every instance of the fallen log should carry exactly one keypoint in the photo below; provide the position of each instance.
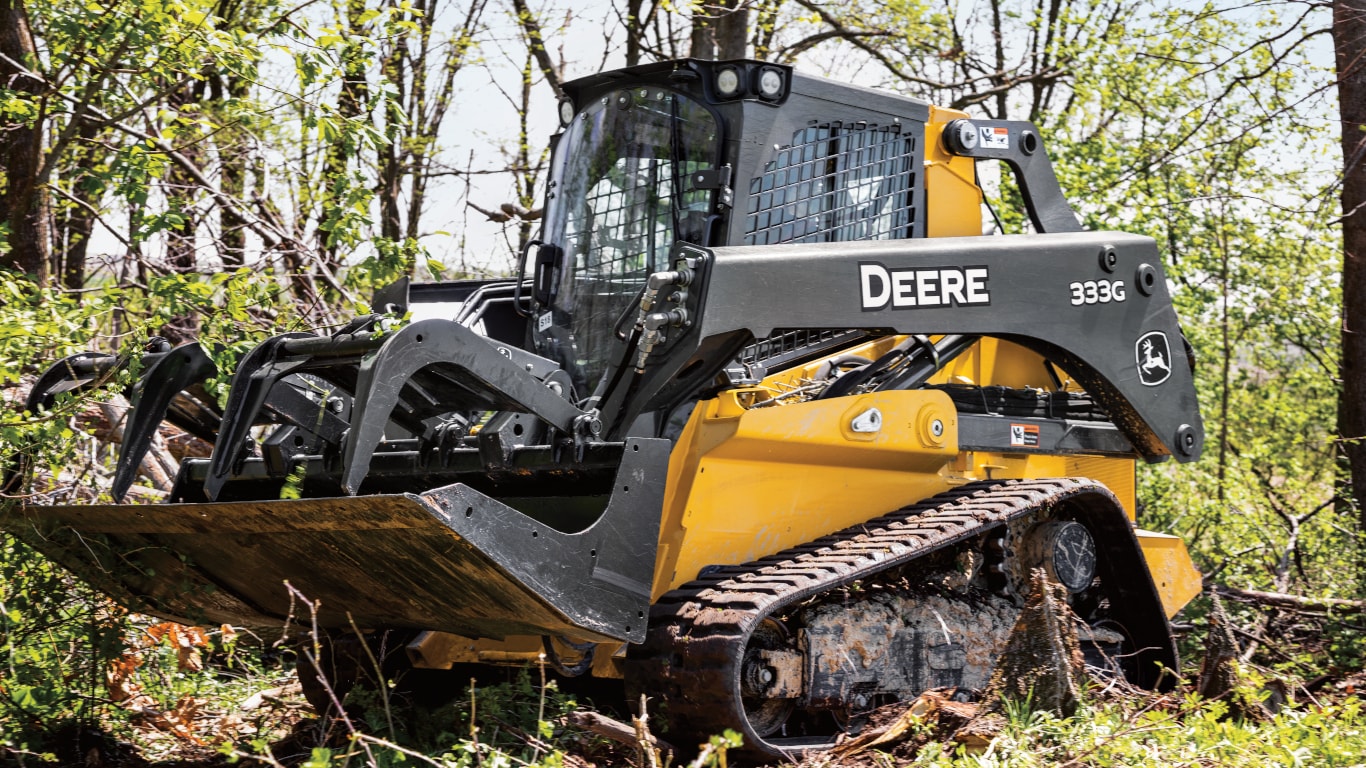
(615, 730)
(1291, 602)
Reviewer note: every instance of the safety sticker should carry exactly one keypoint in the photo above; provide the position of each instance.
(995, 138)
(544, 321)
(1024, 435)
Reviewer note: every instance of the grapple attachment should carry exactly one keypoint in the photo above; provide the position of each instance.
(170, 389)
(490, 506)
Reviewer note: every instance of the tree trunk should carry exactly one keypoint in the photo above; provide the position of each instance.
(1349, 41)
(181, 189)
(234, 146)
(635, 32)
(233, 234)
(391, 157)
(24, 201)
(352, 102)
(720, 30)
(75, 221)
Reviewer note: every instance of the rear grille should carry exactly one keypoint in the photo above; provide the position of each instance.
(786, 348)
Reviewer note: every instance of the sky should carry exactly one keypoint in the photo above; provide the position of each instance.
(485, 120)
(482, 130)
(480, 133)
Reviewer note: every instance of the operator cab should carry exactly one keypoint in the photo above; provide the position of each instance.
(712, 154)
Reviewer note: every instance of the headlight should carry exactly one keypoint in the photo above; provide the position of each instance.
(770, 83)
(727, 82)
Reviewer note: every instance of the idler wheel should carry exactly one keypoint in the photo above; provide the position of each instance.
(765, 712)
(1065, 550)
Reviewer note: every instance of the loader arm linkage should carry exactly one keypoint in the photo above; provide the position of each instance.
(1012, 287)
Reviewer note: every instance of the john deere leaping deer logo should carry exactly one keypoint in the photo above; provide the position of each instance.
(1153, 356)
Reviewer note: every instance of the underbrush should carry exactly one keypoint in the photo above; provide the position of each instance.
(82, 678)
(85, 683)
(523, 723)
(518, 722)
(1164, 731)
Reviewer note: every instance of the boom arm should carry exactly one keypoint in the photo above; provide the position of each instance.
(1095, 303)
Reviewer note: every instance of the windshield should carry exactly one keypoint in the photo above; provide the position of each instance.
(620, 198)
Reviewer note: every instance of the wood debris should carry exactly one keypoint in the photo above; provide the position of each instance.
(1041, 663)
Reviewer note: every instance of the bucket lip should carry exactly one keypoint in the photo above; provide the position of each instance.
(450, 558)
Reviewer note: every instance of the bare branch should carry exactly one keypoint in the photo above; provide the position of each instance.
(1291, 602)
(532, 28)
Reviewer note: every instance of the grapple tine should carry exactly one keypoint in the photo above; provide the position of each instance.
(166, 378)
(251, 384)
(487, 379)
(70, 374)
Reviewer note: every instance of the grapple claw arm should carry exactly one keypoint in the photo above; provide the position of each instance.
(75, 373)
(474, 375)
(251, 386)
(183, 367)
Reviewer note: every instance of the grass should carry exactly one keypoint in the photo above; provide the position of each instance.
(236, 704)
(78, 674)
(1186, 732)
(522, 724)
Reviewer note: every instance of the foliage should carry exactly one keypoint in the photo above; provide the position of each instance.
(37, 323)
(517, 722)
(41, 325)
(1193, 733)
(262, 165)
(1121, 726)
(56, 635)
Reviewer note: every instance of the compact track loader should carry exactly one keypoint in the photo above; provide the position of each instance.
(764, 425)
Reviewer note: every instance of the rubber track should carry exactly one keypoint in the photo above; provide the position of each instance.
(698, 632)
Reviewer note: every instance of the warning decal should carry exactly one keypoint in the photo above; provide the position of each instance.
(1024, 435)
(995, 138)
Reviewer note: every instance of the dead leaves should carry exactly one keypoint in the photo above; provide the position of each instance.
(926, 706)
(149, 680)
(126, 689)
(186, 640)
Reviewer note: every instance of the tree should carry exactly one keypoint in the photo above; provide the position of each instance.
(421, 64)
(720, 30)
(24, 203)
(1349, 43)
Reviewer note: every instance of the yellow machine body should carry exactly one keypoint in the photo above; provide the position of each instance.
(753, 474)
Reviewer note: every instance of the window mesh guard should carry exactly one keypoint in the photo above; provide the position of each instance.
(835, 183)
